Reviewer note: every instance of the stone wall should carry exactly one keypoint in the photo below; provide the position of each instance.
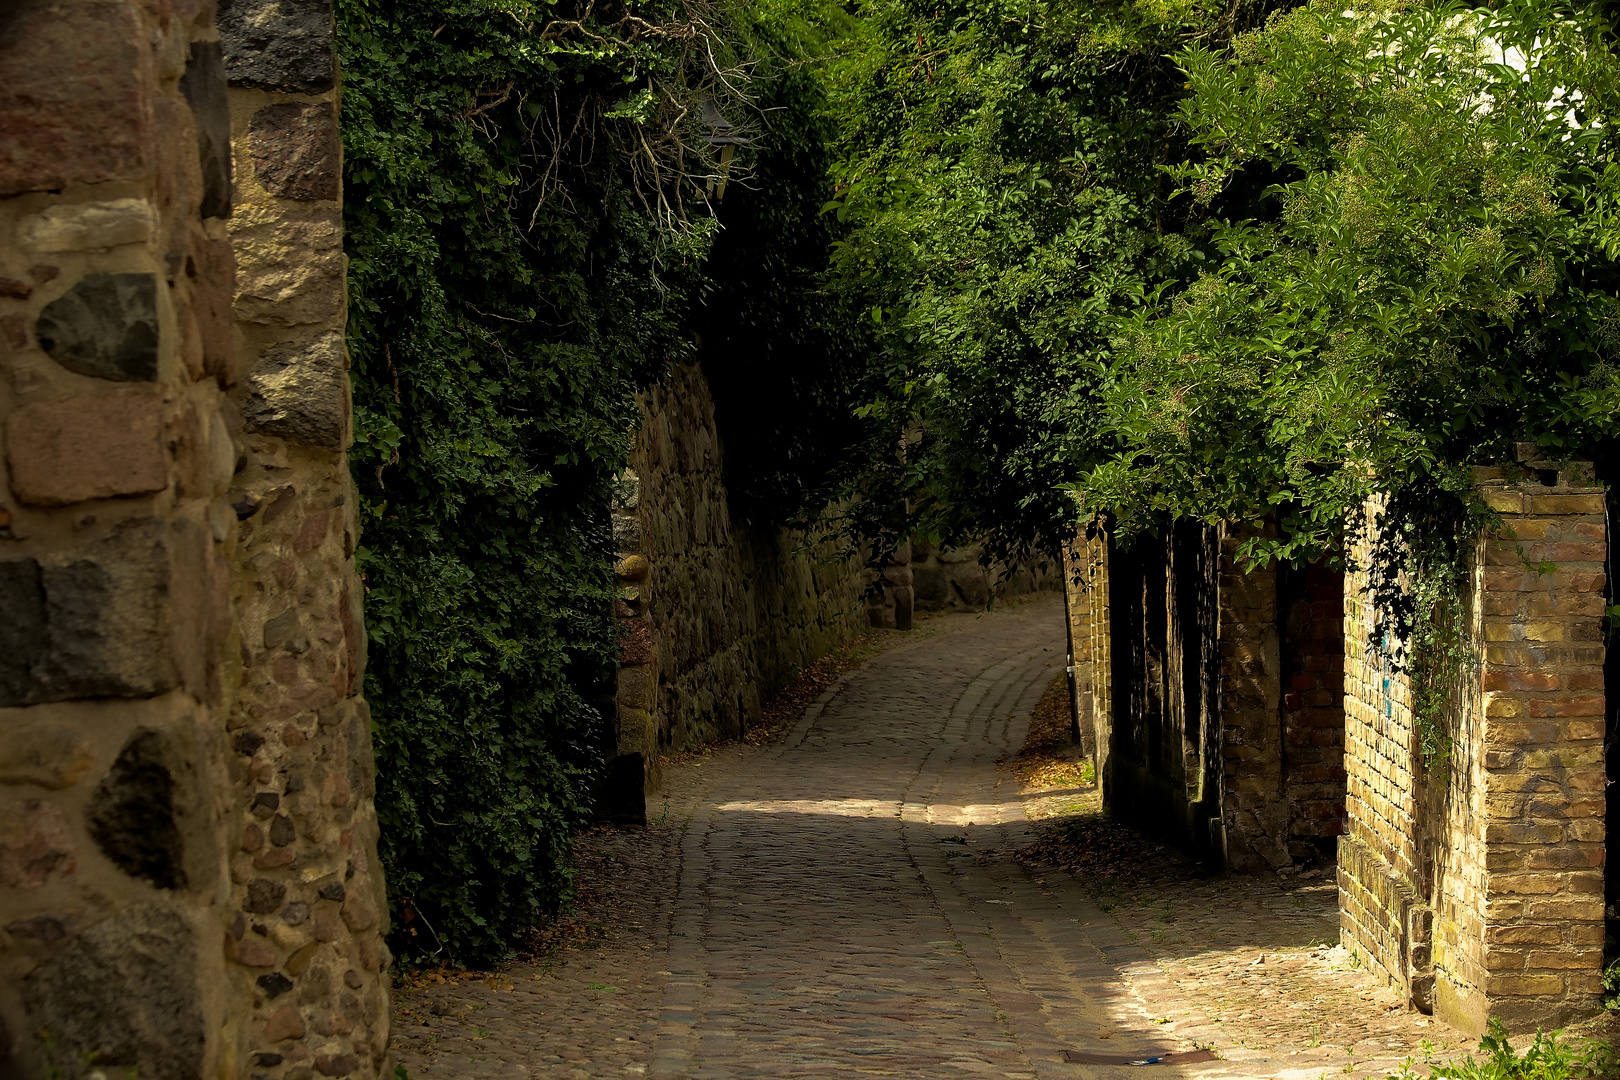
(305, 877)
(954, 579)
(188, 878)
(718, 613)
(1478, 886)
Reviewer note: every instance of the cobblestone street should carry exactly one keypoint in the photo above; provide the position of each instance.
(846, 901)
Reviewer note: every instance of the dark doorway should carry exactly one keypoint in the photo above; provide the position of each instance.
(1164, 766)
(1310, 621)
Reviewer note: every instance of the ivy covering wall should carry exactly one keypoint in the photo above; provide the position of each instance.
(528, 239)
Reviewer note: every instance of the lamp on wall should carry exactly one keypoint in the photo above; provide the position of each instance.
(724, 135)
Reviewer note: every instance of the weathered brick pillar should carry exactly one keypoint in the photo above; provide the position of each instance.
(188, 878)
(1084, 569)
(1479, 886)
(1534, 752)
(1085, 583)
(1255, 809)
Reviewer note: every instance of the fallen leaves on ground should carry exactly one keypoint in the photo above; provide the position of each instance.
(1049, 758)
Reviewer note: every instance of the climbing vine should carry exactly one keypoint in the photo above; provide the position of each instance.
(1419, 558)
(529, 222)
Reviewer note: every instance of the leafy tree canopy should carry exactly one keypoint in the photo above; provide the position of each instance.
(1425, 276)
(1169, 260)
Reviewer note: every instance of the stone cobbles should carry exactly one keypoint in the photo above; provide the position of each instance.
(846, 901)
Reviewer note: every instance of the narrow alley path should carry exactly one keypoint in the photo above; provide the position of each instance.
(841, 902)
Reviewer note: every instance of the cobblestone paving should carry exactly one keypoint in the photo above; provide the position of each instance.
(845, 902)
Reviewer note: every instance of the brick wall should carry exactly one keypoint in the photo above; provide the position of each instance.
(1282, 711)
(1209, 750)
(1310, 602)
(188, 878)
(1378, 878)
(1478, 886)
(1085, 585)
(1255, 805)
(1142, 630)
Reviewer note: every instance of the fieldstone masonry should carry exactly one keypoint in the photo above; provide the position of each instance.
(956, 579)
(715, 613)
(188, 874)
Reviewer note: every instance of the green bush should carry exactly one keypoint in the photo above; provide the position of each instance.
(1408, 266)
(528, 238)
(1546, 1058)
(496, 337)
(996, 174)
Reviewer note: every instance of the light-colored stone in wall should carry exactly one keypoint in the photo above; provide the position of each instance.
(733, 611)
(956, 579)
(114, 547)
(307, 942)
(188, 877)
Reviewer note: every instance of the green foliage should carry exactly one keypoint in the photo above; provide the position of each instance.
(1410, 217)
(1417, 569)
(995, 175)
(1611, 986)
(527, 227)
(785, 368)
(1324, 259)
(495, 337)
(1546, 1058)
(1422, 279)
(1316, 258)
